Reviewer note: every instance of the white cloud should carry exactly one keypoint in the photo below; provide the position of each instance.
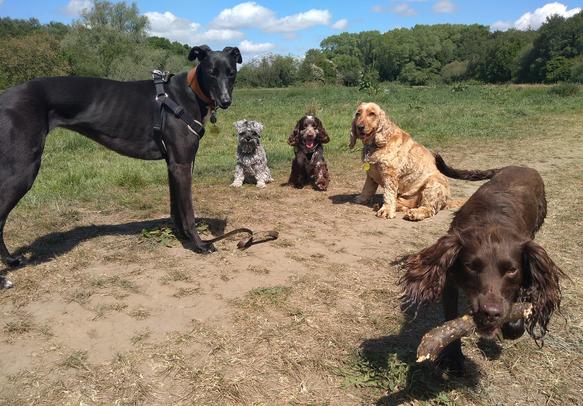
(179, 29)
(75, 7)
(244, 15)
(377, 9)
(535, 19)
(300, 21)
(250, 47)
(501, 25)
(340, 24)
(404, 9)
(444, 6)
(251, 14)
(1, 1)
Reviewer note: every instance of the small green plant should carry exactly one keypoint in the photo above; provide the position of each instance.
(161, 235)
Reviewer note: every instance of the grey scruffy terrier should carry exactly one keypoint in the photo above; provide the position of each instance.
(251, 159)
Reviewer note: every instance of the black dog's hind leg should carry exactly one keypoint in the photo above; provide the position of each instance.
(180, 182)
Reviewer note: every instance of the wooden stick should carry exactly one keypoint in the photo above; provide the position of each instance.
(441, 336)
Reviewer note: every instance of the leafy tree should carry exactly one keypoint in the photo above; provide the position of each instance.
(106, 33)
(28, 57)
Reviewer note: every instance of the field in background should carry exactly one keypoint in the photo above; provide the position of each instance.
(112, 309)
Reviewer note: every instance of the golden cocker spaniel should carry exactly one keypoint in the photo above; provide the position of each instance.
(404, 168)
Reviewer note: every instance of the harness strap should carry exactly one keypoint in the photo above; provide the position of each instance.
(164, 104)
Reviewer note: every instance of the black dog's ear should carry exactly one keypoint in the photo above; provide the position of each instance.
(322, 134)
(294, 137)
(542, 287)
(234, 51)
(199, 53)
(425, 272)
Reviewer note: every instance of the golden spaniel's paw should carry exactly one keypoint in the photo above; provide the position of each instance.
(417, 214)
(386, 212)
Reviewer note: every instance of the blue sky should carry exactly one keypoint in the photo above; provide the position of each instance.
(259, 27)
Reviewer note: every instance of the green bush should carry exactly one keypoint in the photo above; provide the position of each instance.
(565, 89)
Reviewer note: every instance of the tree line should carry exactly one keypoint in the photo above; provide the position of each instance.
(428, 54)
(110, 40)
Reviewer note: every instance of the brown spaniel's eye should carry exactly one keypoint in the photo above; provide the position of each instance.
(371, 114)
(511, 271)
(357, 114)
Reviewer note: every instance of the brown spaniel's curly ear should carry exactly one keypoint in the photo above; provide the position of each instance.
(425, 272)
(541, 287)
(384, 130)
(352, 134)
(294, 137)
(323, 137)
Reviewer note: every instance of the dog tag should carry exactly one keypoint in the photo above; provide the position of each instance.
(366, 166)
(214, 116)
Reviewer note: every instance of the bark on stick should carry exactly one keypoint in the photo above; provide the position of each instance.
(441, 336)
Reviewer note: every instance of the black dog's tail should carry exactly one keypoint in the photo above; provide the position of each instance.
(462, 173)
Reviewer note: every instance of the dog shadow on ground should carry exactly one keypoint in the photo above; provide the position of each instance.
(349, 198)
(52, 245)
(423, 382)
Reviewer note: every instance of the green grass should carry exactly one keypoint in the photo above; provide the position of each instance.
(75, 169)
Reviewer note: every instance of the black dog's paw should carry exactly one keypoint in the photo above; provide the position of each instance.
(205, 248)
(451, 363)
(14, 262)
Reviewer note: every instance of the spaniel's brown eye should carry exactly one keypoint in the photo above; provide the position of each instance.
(372, 114)
(512, 271)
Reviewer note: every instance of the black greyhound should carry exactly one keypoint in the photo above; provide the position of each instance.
(120, 116)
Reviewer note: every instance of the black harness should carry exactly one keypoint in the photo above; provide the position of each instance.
(165, 104)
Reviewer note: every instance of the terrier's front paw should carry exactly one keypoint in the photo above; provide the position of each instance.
(237, 183)
(261, 185)
(386, 212)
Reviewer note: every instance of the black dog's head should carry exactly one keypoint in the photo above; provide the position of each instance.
(216, 72)
(249, 133)
(308, 134)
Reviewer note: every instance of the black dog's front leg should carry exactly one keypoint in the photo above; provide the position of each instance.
(180, 182)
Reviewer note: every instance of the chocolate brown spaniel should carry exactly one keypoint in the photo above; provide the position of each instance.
(308, 165)
(490, 255)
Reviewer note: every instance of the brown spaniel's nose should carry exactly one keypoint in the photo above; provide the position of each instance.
(490, 312)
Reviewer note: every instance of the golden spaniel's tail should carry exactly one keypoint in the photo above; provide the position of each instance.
(462, 173)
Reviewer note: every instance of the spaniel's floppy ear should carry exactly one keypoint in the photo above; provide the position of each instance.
(199, 53)
(352, 134)
(541, 287)
(323, 137)
(294, 137)
(425, 272)
(384, 130)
